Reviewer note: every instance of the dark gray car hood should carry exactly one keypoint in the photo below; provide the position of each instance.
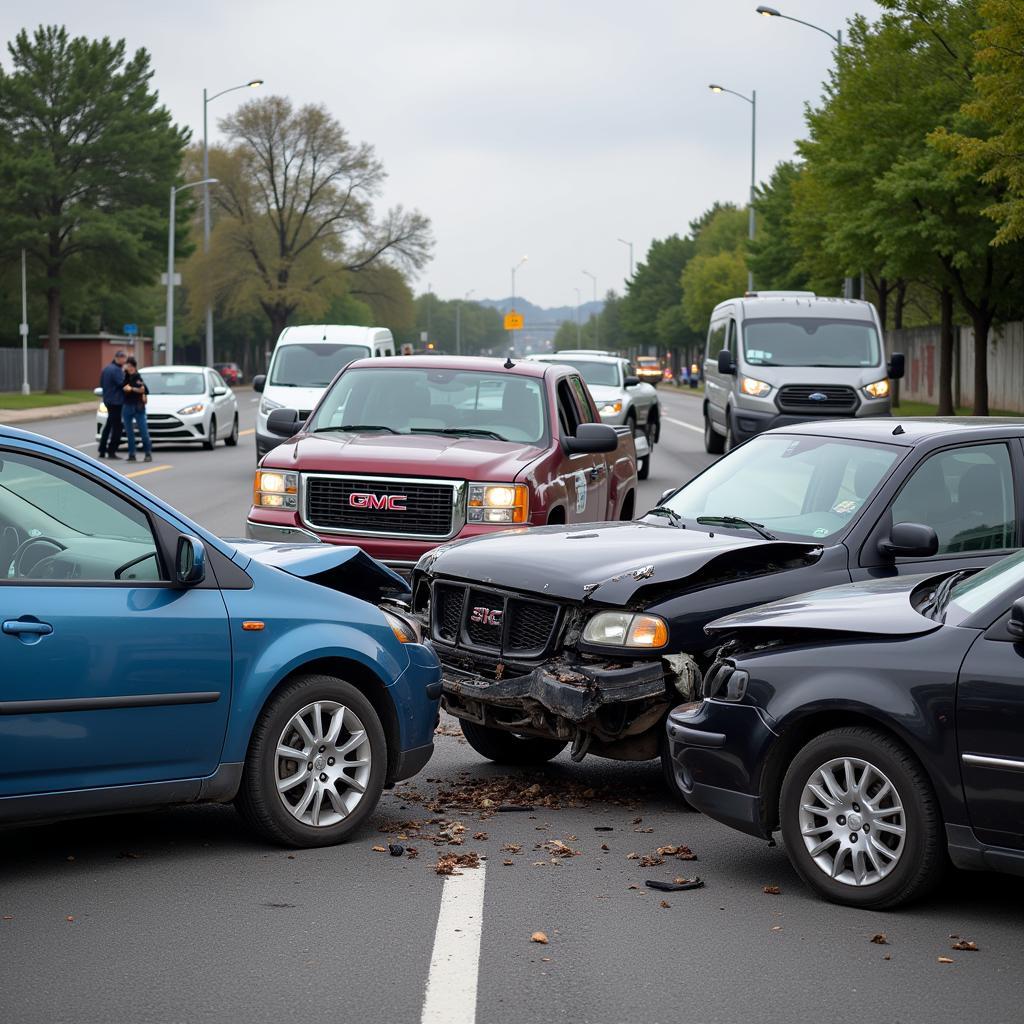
(877, 607)
(612, 563)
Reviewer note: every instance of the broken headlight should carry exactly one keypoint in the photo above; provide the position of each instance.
(726, 682)
(406, 631)
(623, 629)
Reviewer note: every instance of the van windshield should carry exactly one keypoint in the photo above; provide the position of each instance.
(810, 341)
(314, 365)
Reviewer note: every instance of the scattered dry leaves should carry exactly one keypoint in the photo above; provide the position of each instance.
(380, 849)
(540, 938)
(946, 960)
(965, 946)
(664, 904)
(880, 939)
(448, 862)
(772, 890)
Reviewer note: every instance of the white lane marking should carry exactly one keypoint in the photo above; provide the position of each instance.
(91, 444)
(680, 423)
(455, 962)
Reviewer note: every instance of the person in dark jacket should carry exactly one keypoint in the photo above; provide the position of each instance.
(112, 383)
(134, 412)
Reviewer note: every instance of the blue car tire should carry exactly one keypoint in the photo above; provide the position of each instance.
(316, 763)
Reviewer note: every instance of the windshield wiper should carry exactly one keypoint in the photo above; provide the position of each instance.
(353, 427)
(671, 513)
(471, 431)
(736, 521)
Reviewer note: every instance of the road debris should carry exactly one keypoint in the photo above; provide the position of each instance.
(448, 862)
(964, 945)
(772, 890)
(540, 938)
(946, 960)
(678, 885)
(380, 849)
(880, 939)
(396, 849)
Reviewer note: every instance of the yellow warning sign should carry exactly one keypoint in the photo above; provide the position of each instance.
(513, 321)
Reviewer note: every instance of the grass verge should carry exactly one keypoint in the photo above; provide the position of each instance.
(41, 400)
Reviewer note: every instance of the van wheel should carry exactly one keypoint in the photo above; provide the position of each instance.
(714, 444)
(730, 438)
(316, 763)
(508, 747)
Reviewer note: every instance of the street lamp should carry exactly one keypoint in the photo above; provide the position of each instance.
(169, 356)
(752, 100)
(458, 322)
(597, 320)
(630, 244)
(514, 269)
(207, 100)
(771, 12)
(579, 302)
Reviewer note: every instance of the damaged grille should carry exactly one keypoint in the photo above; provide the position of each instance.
(492, 621)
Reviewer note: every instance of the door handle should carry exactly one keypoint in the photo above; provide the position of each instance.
(18, 627)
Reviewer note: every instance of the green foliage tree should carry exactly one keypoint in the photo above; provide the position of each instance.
(718, 268)
(651, 307)
(775, 253)
(481, 329)
(87, 157)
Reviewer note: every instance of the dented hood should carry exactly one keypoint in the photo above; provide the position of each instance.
(349, 570)
(608, 563)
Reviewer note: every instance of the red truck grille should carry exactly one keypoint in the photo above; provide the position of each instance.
(371, 505)
(491, 621)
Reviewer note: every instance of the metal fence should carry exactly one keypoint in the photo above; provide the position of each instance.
(11, 370)
(1005, 365)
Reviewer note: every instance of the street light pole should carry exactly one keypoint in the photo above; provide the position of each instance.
(579, 302)
(597, 318)
(630, 245)
(23, 328)
(752, 100)
(206, 202)
(458, 322)
(514, 269)
(169, 351)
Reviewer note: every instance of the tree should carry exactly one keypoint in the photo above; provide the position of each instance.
(87, 158)
(654, 290)
(775, 256)
(718, 268)
(297, 221)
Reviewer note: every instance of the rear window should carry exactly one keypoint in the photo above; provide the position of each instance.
(312, 365)
(810, 341)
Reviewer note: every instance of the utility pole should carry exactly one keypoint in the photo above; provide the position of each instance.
(23, 328)
(597, 315)
(579, 302)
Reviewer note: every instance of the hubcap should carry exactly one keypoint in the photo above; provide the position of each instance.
(322, 764)
(852, 821)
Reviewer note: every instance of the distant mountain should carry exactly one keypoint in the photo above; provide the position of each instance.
(536, 316)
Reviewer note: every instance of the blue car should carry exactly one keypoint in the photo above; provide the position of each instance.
(147, 662)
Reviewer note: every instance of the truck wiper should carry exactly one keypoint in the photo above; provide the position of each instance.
(671, 513)
(352, 427)
(469, 431)
(736, 521)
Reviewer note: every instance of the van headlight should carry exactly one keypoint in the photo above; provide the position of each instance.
(623, 629)
(880, 388)
(267, 406)
(753, 386)
(503, 504)
(272, 489)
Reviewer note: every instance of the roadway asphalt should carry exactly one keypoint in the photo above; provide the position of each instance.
(182, 916)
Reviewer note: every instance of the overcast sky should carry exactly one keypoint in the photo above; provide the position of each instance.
(545, 127)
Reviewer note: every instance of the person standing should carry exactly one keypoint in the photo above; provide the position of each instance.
(134, 412)
(112, 383)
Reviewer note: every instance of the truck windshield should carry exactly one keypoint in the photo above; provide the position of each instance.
(598, 374)
(411, 400)
(312, 366)
(803, 487)
(810, 341)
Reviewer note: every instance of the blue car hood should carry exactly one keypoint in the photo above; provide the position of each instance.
(349, 570)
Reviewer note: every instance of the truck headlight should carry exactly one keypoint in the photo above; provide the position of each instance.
(498, 503)
(272, 489)
(755, 387)
(611, 409)
(267, 406)
(406, 631)
(880, 388)
(623, 629)
(192, 410)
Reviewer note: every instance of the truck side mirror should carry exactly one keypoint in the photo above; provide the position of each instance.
(259, 382)
(726, 363)
(897, 366)
(910, 540)
(591, 438)
(283, 422)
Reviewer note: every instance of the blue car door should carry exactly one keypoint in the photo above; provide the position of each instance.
(111, 675)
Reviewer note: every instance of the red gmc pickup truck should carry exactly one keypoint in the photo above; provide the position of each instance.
(405, 453)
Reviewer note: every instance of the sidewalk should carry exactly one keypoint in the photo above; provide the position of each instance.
(46, 412)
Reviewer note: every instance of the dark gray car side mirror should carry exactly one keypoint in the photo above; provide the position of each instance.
(591, 438)
(190, 562)
(1015, 623)
(726, 363)
(259, 382)
(910, 540)
(283, 422)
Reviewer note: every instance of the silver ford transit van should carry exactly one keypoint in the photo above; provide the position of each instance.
(774, 358)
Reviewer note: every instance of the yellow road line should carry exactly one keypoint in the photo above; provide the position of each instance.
(246, 433)
(148, 469)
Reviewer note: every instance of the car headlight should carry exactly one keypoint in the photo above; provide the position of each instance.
(755, 387)
(406, 631)
(191, 410)
(272, 489)
(103, 408)
(879, 389)
(611, 409)
(725, 682)
(498, 503)
(267, 406)
(623, 629)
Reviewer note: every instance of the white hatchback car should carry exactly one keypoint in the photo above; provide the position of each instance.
(186, 404)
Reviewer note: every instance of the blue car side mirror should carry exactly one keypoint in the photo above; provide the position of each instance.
(190, 562)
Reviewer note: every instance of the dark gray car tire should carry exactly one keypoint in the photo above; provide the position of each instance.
(508, 747)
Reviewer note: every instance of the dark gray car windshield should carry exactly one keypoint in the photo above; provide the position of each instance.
(810, 341)
(802, 487)
(314, 365)
(976, 591)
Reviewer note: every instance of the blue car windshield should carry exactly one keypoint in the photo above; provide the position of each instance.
(801, 487)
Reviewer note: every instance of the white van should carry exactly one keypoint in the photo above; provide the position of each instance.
(775, 358)
(305, 361)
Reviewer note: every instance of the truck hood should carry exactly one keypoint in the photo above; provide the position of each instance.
(877, 607)
(611, 563)
(349, 570)
(435, 455)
